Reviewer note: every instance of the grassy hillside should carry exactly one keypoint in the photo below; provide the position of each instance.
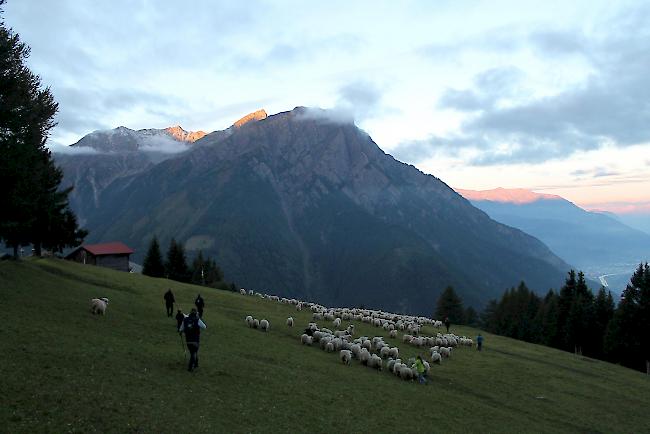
(65, 370)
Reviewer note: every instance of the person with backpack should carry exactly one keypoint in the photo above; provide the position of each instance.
(479, 342)
(419, 367)
(180, 316)
(200, 304)
(169, 302)
(192, 326)
(447, 323)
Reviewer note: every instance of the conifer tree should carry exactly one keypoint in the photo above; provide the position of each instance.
(34, 209)
(471, 317)
(176, 265)
(450, 305)
(153, 262)
(603, 313)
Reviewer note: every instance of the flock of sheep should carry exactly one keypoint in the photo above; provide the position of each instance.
(371, 352)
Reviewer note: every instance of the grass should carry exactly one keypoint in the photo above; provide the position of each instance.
(65, 370)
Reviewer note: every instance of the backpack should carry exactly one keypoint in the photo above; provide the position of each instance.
(191, 328)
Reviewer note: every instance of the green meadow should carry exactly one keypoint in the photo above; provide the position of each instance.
(66, 370)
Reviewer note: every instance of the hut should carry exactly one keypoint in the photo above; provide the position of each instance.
(113, 255)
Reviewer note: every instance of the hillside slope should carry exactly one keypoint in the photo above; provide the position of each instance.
(65, 370)
(302, 205)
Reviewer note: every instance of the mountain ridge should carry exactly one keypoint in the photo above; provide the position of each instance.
(309, 206)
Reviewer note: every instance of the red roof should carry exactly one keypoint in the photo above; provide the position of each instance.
(114, 248)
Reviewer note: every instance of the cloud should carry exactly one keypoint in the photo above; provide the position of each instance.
(72, 150)
(490, 86)
(163, 144)
(334, 115)
(357, 101)
(611, 107)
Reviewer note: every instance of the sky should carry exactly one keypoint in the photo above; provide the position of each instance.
(552, 96)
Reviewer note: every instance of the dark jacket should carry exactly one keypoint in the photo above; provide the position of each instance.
(169, 297)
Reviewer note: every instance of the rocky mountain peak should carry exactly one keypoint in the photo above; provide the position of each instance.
(257, 115)
(178, 133)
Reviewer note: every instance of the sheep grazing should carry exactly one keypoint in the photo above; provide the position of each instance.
(375, 362)
(256, 323)
(393, 352)
(329, 347)
(384, 353)
(242, 291)
(98, 305)
(290, 322)
(249, 321)
(445, 352)
(393, 333)
(364, 356)
(436, 358)
(346, 356)
(265, 325)
(337, 322)
(305, 339)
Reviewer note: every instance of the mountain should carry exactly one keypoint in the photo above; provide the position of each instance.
(595, 242)
(299, 204)
(123, 139)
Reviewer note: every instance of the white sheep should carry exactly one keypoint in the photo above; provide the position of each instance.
(393, 333)
(384, 353)
(375, 362)
(305, 339)
(98, 305)
(346, 356)
(445, 352)
(256, 323)
(249, 321)
(337, 322)
(329, 347)
(394, 352)
(436, 358)
(242, 291)
(290, 322)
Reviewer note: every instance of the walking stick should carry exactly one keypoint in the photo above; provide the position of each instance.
(183, 346)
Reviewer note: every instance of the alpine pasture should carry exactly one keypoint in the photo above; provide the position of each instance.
(66, 370)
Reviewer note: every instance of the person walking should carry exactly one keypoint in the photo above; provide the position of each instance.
(419, 367)
(447, 323)
(479, 342)
(169, 302)
(192, 326)
(180, 316)
(200, 304)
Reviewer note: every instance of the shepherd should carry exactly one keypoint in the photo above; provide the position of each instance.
(192, 326)
(200, 304)
(169, 302)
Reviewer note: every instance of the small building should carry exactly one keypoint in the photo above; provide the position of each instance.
(113, 255)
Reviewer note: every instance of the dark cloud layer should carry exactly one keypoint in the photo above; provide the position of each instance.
(611, 107)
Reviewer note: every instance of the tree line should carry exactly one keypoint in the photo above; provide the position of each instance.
(576, 320)
(203, 271)
(34, 209)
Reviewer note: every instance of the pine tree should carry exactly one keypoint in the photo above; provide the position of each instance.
(488, 316)
(450, 305)
(471, 317)
(547, 319)
(34, 209)
(603, 313)
(565, 301)
(626, 339)
(153, 262)
(176, 265)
